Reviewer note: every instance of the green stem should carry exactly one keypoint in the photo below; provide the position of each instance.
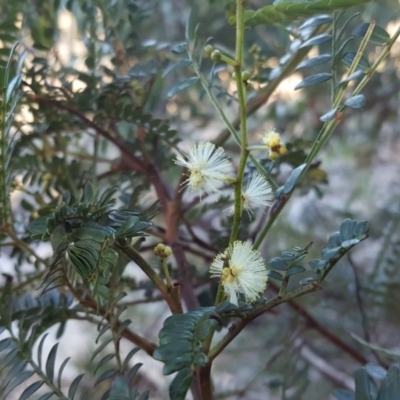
(166, 271)
(241, 91)
(330, 126)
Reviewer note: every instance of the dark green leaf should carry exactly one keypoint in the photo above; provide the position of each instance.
(375, 371)
(181, 384)
(46, 396)
(30, 390)
(297, 269)
(274, 275)
(101, 347)
(132, 372)
(74, 386)
(5, 343)
(104, 361)
(20, 378)
(316, 40)
(314, 80)
(357, 101)
(363, 382)
(105, 375)
(390, 387)
(379, 36)
(128, 358)
(278, 263)
(182, 85)
(50, 363)
(119, 389)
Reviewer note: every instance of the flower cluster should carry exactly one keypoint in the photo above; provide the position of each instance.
(208, 168)
(273, 142)
(242, 271)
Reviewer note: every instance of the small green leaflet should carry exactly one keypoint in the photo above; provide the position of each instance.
(289, 10)
(311, 7)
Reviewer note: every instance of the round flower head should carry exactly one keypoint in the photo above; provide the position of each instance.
(242, 270)
(272, 140)
(208, 167)
(258, 194)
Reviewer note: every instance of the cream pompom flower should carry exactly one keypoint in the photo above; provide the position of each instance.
(208, 167)
(242, 271)
(258, 195)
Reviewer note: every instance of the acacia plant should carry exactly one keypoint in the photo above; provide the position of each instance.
(91, 164)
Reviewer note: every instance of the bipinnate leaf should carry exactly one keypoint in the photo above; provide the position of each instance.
(181, 339)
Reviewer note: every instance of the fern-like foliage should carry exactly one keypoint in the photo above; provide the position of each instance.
(181, 346)
(85, 228)
(10, 81)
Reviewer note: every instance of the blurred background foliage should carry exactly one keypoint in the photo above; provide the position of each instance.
(97, 75)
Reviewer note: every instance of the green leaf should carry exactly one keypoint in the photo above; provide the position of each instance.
(172, 67)
(362, 65)
(181, 384)
(180, 339)
(316, 40)
(316, 21)
(74, 386)
(346, 229)
(343, 394)
(390, 387)
(294, 176)
(378, 37)
(357, 101)
(179, 48)
(314, 6)
(104, 361)
(182, 86)
(278, 263)
(20, 378)
(312, 62)
(314, 80)
(375, 371)
(119, 389)
(297, 269)
(46, 396)
(30, 390)
(274, 275)
(330, 115)
(106, 375)
(50, 363)
(363, 382)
